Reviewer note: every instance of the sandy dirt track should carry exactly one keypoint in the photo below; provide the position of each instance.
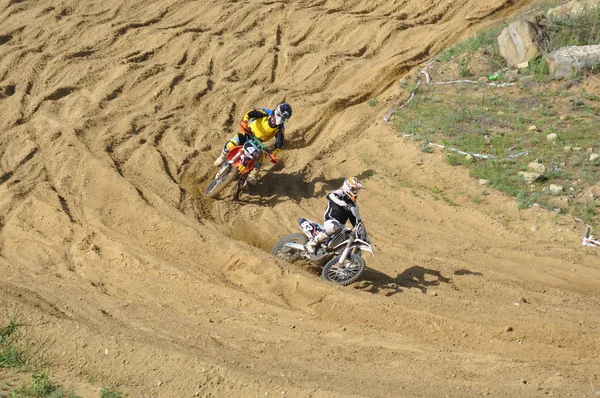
(112, 113)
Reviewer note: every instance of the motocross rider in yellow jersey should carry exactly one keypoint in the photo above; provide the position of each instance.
(264, 124)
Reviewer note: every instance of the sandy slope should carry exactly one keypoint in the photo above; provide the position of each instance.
(112, 113)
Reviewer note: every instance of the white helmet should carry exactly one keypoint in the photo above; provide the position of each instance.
(351, 187)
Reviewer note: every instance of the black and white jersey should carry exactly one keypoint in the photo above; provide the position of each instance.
(340, 207)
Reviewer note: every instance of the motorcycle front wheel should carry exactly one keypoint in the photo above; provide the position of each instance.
(217, 184)
(287, 253)
(345, 273)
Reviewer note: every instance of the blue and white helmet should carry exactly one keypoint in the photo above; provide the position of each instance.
(281, 114)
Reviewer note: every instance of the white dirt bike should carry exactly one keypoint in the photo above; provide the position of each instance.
(341, 254)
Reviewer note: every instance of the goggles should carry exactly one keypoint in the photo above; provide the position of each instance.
(280, 117)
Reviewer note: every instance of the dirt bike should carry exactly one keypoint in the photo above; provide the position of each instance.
(588, 239)
(241, 159)
(341, 254)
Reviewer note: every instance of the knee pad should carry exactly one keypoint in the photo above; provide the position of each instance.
(234, 141)
(332, 227)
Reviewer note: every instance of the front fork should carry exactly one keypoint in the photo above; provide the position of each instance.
(347, 250)
(224, 167)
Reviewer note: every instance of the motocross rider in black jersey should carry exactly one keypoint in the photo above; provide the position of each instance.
(341, 207)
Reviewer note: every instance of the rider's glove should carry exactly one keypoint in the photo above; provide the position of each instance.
(272, 156)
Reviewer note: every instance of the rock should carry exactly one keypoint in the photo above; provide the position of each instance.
(533, 128)
(521, 42)
(555, 189)
(529, 177)
(567, 61)
(508, 329)
(552, 137)
(593, 157)
(536, 167)
(483, 182)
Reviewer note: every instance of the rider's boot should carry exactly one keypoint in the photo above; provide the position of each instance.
(219, 161)
(253, 177)
(314, 242)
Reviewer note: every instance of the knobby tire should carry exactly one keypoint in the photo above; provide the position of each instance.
(217, 185)
(288, 254)
(345, 273)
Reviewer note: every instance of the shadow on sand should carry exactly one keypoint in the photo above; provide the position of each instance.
(421, 278)
(274, 188)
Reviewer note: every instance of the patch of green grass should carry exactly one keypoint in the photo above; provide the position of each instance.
(373, 102)
(11, 355)
(12, 328)
(40, 386)
(437, 193)
(411, 88)
(526, 200)
(590, 210)
(416, 194)
(472, 44)
(17, 354)
(539, 68)
(455, 159)
(495, 122)
(576, 30)
(477, 198)
(110, 392)
(464, 68)
(449, 201)
(425, 147)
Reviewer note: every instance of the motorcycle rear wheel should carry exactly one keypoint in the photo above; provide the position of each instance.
(286, 253)
(217, 184)
(346, 273)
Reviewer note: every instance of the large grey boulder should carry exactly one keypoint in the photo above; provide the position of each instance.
(568, 61)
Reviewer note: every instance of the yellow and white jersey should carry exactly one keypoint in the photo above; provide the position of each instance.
(258, 122)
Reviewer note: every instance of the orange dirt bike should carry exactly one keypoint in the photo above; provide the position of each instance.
(341, 254)
(241, 159)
